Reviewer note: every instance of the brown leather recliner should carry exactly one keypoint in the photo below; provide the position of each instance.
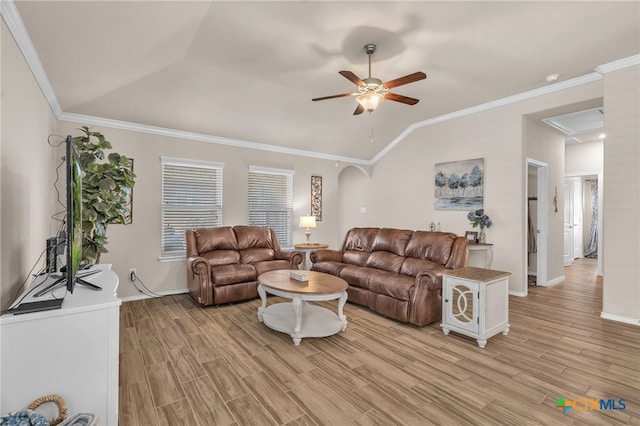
(395, 272)
(223, 263)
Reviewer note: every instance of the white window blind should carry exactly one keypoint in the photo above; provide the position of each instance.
(191, 198)
(271, 201)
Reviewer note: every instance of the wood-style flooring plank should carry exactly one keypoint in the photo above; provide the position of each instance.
(182, 364)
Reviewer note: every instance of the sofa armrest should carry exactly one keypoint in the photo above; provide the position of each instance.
(431, 279)
(292, 256)
(426, 299)
(326, 255)
(199, 280)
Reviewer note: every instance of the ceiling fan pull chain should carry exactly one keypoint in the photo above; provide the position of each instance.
(371, 133)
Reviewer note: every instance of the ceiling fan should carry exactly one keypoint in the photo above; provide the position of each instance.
(372, 91)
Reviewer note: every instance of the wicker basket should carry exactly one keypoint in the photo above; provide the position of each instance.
(56, 399)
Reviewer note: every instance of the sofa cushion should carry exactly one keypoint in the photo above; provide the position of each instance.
(360, 239)
(271, 265)
(393, 285)
(220, 238)
(355, 257)
(392, 240)
(221, 257)
(357, 275)
(253, 237)
(434, 246)
(413, 267)
(232, 274)
(252, 255)
(386, 261)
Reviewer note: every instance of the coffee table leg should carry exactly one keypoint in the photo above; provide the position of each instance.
(263, 297)
(341, 302)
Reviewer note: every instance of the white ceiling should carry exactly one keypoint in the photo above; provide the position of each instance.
(248, 70)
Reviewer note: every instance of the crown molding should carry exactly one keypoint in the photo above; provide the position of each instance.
(201, 137)
(15, 25)
(578, 81)
(619, 64)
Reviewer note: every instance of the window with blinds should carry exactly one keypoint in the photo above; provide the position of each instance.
(191, 198)
(271, 201)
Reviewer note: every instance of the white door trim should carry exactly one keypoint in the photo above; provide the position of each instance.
(542, 186)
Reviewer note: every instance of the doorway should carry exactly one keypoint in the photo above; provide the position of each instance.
(536, 210)
(587, 195)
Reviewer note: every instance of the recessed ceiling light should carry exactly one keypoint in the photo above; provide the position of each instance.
(552, 77)
(602, 136)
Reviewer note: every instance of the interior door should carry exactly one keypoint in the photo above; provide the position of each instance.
(568, 223)
(578, 249)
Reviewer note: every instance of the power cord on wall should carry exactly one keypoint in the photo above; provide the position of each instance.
(134, 279)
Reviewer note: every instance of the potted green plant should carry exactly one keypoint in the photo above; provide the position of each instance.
(107, 183)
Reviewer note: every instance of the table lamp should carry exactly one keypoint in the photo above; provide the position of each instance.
(307, 222)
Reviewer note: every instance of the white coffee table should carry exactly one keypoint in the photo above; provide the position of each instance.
(300, 319)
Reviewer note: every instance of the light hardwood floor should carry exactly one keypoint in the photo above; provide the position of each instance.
(184, 365)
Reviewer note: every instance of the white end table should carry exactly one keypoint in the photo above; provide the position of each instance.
(307, 248)
(475, 302)
(487, 250)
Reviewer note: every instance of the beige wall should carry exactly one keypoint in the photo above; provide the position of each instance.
(138, 245)
(400, 191)
(27, 173)
(621, 298)
(583, 158)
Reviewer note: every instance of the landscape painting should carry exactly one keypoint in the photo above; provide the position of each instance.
(459, 185)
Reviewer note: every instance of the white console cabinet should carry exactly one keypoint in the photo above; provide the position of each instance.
(71, 351)
(475, 302)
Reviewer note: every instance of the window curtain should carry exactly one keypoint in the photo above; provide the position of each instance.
(592, 247)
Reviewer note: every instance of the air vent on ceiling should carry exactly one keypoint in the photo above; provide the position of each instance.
(576, 123)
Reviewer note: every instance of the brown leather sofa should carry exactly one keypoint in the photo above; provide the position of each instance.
(395, 272)
(223, 263)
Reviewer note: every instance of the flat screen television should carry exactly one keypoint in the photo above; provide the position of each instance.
(74, 214)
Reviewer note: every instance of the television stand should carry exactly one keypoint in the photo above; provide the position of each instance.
(61, 281)
(87, 284)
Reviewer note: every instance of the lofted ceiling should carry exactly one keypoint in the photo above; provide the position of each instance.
(248, 70)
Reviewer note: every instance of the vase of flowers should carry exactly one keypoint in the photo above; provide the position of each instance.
(478, 218)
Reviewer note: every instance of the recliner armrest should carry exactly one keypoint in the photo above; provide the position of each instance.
(292, 256)
(326, 255)
(199, 280)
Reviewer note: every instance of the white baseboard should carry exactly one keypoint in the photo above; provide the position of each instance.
(517, 293)
(159, 293)
(620, 318)
(552, 282)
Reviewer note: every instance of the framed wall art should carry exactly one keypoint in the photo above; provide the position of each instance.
(459, 185)
(316, 197)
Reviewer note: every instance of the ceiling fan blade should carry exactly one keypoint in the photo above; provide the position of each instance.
(359, 110)
(334, 96)
(399, 98)
(416, 76)
(353, 78)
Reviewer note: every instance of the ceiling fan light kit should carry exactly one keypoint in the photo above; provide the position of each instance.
(372, 91)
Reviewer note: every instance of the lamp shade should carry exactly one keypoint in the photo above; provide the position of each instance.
(370, 101)
(307, 222)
